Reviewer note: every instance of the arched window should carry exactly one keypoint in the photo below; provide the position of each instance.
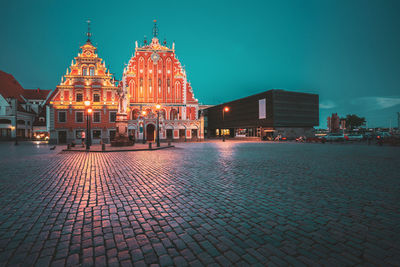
(177, 90)
(162, 114)
(135, 114)
(91, 71)
(173, 115)
(84, 71)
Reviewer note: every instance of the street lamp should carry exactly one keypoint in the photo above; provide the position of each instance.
(89, 111)
(158, 106)
(225, 109)
(144, 114)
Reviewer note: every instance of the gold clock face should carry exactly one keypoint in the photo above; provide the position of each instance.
(87, 53)
(155, 57)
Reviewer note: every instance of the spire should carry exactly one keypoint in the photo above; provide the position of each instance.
(155, 29)
(88, 34)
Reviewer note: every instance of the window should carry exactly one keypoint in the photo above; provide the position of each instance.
(91, 71)
(173, 114)
(96, 134)
(113, 116)
(96, 98)
(79, 97)
(62, 116)
(96, 116)
(79, 116)
(84, 71)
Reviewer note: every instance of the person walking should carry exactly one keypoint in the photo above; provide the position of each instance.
(83, 136)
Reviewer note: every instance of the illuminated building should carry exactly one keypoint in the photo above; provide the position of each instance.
(21, 109)
(86, 79)
(265, 115)
(154, 75)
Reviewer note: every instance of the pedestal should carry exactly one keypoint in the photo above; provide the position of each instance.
(121, 136)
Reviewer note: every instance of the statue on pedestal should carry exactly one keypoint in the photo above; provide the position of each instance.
(121, 122)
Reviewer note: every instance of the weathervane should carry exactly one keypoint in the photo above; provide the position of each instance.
(89, 34)
(155, 29)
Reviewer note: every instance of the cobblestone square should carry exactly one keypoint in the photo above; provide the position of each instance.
(215, 203)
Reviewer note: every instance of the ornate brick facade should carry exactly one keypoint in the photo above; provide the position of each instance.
(86, 79)
(154, 75)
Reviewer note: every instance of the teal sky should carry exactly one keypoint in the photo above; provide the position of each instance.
(346, 51)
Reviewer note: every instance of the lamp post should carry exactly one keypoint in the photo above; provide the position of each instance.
(144, 114)
(16, 132)
(88, 112)
(158, 106)
(225, 109)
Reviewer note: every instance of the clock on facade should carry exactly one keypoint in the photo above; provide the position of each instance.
(155, 57)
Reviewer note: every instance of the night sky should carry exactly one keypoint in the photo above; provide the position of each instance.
(346, 51)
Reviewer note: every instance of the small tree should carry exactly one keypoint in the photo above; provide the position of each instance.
(353, 121)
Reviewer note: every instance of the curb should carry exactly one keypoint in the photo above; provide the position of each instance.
(121, 150)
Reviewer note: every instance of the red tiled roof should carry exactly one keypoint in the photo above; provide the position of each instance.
(36, 93)
(10, 87)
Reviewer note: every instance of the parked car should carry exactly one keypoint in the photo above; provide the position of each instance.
(334, 137)
(354, 137)
(382, 135)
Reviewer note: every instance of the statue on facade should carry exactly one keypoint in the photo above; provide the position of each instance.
(122, 102)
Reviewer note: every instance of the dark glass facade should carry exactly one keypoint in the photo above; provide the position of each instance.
(283, 110)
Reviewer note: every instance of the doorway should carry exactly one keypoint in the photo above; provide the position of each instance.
(62, 137)
(169, 134)
(194, 134)
(150, 128)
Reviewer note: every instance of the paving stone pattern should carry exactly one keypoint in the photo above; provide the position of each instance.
(216, 204)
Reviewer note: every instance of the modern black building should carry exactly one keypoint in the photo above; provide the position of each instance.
(266, 114)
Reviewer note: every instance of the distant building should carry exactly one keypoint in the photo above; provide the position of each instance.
(86, 79)
(265, 115)
(334, 123)
(19, 108)
(154, 75)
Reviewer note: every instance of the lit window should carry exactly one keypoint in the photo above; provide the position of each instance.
(91, 71)
(84, 71)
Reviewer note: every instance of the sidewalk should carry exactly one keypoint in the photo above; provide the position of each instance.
(109, 148)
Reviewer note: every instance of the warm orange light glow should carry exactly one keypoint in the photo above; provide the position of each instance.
(158, 106)
(87, 103)
(143, 112)
(90, 110)
(226, 109)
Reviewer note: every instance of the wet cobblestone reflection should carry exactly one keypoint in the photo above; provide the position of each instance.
(199, 204)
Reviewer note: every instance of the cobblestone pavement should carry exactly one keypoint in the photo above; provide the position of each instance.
(232, 203)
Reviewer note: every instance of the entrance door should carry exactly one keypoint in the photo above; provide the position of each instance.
(169, 134)
(194, 134)
(182, 133)
(62, 137)
(112, 135)
(150, 132)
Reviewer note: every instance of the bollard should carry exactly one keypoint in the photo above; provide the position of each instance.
(103, 147)
(68, 146)
(149, 145)
(169, 143)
